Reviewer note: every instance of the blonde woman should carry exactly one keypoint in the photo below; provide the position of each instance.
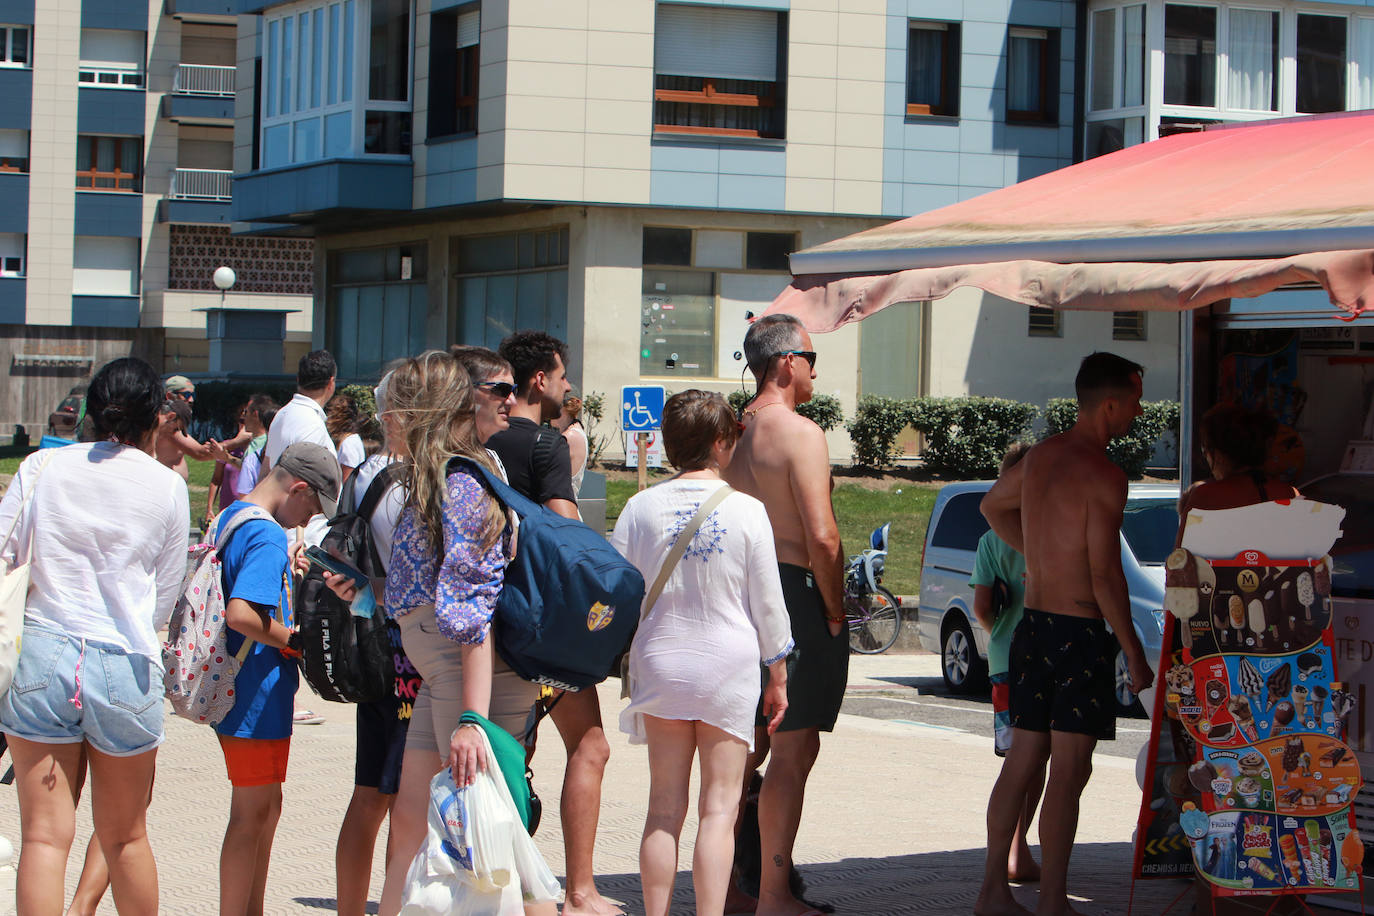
(448, 561)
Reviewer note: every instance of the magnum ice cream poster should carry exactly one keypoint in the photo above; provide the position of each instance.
(1249, 782)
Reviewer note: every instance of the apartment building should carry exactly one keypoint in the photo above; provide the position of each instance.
(116, 153)
(631, 175)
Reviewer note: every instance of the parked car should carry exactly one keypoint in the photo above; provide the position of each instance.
(945, 621)
(62, 421)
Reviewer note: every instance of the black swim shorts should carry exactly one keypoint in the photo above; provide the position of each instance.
(1063, 675)
(818, 668)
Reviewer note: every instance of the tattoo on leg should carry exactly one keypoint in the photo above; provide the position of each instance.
(777, 860)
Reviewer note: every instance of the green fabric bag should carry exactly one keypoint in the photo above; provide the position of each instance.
(510, 757)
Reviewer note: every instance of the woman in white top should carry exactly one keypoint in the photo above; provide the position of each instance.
(694, 663)
(105, 528)
(343, 422)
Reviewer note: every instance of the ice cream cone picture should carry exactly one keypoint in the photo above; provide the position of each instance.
(1251, 683)
(1300, 701)
(1239, 708)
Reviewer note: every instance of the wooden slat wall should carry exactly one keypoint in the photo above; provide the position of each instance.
(30, 393)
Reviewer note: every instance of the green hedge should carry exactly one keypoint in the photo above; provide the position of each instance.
(877, 424)
(967, 437)
(1132, 451)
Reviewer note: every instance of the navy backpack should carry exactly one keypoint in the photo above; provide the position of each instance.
(570, 603)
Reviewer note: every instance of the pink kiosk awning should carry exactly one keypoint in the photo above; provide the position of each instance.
(1175, 224)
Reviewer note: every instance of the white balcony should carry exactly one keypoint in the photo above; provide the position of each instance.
(202, 79)
(201, 184)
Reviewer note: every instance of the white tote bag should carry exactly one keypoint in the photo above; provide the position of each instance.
(14, 588)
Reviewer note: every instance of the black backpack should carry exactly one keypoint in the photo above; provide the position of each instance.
(346, 658)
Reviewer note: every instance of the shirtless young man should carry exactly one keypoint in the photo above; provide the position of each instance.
(1062, 507)
(782, 460)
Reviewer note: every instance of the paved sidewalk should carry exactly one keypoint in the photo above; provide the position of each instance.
(893, 824)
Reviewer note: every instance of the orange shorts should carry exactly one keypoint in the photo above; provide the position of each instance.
(255, 761)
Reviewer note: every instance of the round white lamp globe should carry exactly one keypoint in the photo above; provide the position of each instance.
(224, 277)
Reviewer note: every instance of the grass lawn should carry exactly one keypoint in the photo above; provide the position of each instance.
(859, 510)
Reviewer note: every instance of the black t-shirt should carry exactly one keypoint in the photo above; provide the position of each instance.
(552, 479)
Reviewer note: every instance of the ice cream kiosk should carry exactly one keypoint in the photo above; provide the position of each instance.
(1261, 238)
(1289, 352)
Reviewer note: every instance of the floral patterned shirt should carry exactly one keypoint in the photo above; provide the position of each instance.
(465, 581)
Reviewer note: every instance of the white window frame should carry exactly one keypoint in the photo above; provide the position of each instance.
(1154, 108)
(7, 46)
(352, 97)
(13, 247)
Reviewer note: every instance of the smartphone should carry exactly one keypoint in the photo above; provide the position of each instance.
(323, 558)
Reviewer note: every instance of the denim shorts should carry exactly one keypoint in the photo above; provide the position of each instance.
(117, 706)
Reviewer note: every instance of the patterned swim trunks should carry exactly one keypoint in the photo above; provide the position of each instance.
(1063, 675)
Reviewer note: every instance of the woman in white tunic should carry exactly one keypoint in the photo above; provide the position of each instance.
(694, 664)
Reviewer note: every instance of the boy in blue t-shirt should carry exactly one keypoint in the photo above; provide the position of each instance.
(256, 734)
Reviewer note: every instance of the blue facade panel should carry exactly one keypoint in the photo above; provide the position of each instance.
(203, 7)
(16, 98)
(105, 311)
(14, 202)
(198, 107)
(198, 212)
(299, 192)
(118, 112)
(12, 292)
(724, 175)
(114, 14)
(940, 161)
(19, 12)
(113, 214)
(452, 176)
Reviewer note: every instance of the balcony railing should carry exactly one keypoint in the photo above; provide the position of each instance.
(201, 184)
(202, 79)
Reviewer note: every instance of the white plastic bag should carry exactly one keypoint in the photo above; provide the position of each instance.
(477, 859)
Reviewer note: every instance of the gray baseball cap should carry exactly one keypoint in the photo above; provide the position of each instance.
(317, 466)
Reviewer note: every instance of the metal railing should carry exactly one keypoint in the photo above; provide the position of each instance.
(201, 184)
(201, 79)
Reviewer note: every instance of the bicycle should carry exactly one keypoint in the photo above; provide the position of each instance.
(873, 614)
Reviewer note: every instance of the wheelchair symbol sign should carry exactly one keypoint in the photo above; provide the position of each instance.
(641, 408)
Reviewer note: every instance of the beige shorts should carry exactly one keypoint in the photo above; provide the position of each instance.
(439, 703)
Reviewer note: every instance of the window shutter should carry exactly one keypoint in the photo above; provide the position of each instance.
(14, 144)
(704, 41)
(112, 48)
(469, 28)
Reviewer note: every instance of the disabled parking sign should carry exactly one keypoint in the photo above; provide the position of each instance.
(641, 408)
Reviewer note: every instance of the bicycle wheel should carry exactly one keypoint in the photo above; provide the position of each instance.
(873, 629)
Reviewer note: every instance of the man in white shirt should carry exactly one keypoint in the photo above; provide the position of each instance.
(302, 419)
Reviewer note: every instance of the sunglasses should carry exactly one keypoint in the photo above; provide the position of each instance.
(808, 355)
(502, 390)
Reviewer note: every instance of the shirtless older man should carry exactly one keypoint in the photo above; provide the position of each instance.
(782, 460)
(1062, 508)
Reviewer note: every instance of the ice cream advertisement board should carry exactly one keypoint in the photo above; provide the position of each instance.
(1249, 781)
